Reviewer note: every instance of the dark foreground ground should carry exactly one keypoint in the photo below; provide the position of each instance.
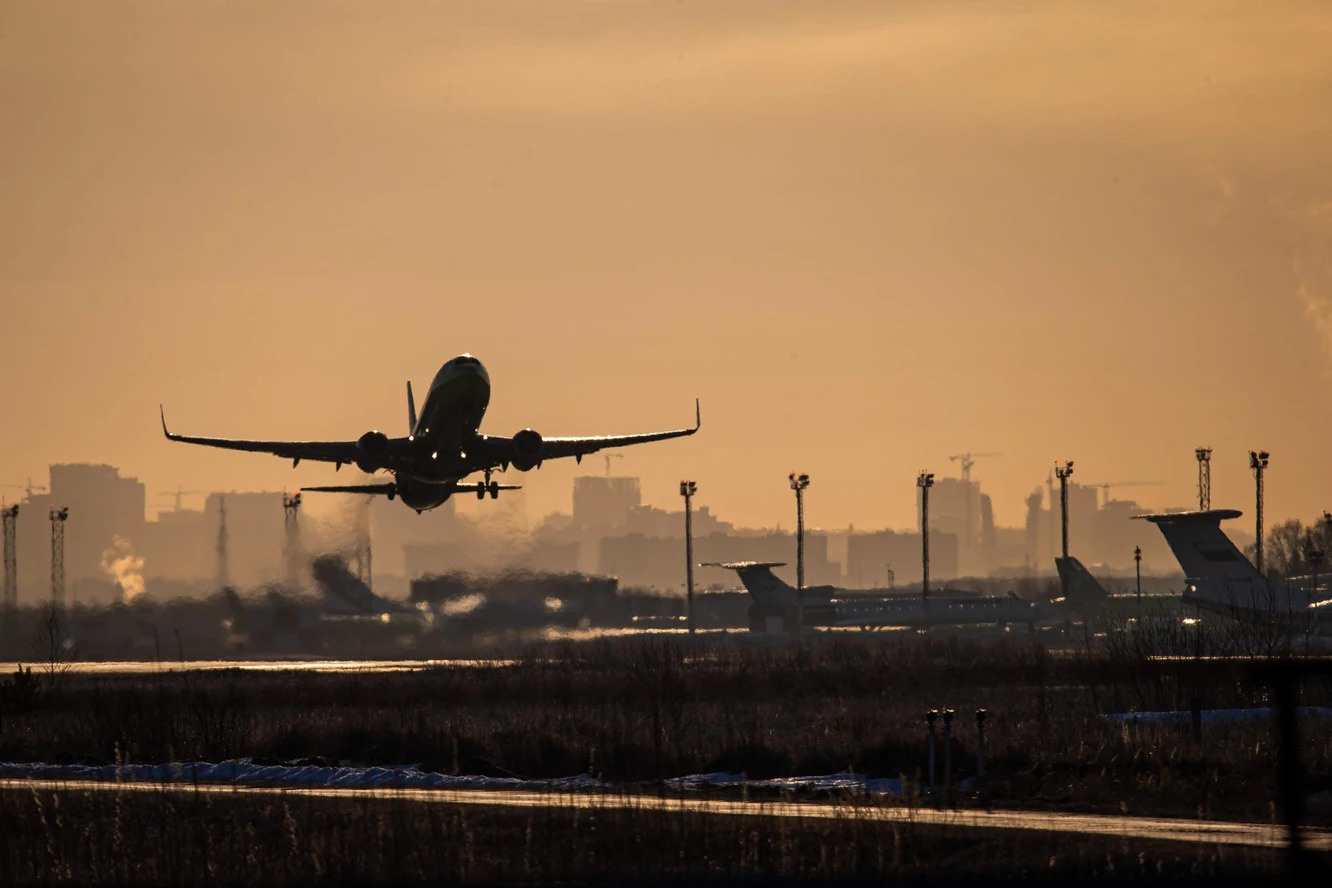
(76, 837)
(644, 709)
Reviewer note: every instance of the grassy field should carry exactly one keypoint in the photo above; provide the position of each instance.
(73, 836)
(645, 709)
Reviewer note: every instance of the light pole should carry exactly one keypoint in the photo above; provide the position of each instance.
(1315, 556)
(925, 480)
(1258, 462)
(1137, 569)
(1204, 455)
(1062, 472)
(687, 490)
(58, 519)
(798, 484)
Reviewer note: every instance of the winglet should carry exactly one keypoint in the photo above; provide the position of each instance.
(162, 410)
(411, 410)
(698, 415)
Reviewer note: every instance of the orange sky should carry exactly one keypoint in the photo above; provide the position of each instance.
(867, 235)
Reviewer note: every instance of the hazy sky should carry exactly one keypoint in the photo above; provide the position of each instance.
(868, 235)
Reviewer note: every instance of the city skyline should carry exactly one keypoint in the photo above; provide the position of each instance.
(1097, 234)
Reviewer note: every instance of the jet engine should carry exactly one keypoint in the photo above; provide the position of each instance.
(373, 446)
(526, 450)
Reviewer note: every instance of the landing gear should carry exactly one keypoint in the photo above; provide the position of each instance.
(487, 486)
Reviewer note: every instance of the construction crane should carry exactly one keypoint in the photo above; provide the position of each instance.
(608, 458)
(178, 493)
(28, 488)
(968, 460)
(1105, 488)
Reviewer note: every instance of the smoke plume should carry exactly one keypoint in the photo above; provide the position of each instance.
(121, 564)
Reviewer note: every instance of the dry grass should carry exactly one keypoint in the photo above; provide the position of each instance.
(77, 837)
(648, 709)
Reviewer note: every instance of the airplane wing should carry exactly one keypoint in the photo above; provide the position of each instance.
(339, 452)
(504, 450)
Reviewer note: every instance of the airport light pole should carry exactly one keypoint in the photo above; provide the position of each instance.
(1062, 472)
(798, 484)
(1315, 556)
(10, 522)
(1204, 455)
(1258, 462)
(925, 480)
(1137, 569)
(687, 490)
(58, 518)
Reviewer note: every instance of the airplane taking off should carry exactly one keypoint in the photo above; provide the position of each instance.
(778, 606)
(443, 446)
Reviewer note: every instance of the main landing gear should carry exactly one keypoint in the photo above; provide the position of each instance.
(487, 486)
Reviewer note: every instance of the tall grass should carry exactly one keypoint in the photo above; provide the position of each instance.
(647, 709)
(78, 837)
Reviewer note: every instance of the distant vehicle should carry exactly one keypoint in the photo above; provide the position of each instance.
(442, 447)
(1220, 579)
(778, 606)
(1088, 598)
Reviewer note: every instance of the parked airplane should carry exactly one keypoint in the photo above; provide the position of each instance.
(443, 446)
(1088, 598)
(1219, 578)
(779, 606)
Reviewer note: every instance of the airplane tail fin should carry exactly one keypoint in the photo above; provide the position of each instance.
(411, 410)
(1084, 591)
(767, 589)
(1202, 549)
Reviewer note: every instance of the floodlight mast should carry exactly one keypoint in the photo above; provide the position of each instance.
(687, 490)
(1258, 463)
(1062, 472)
(798, 484)
(1137, 569)
(58, 518)
(925, 480)
(1204, 455)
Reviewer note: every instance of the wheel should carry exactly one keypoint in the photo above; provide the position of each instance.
(494, 490)
(480, 492)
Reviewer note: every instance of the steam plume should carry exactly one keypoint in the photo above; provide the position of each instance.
(121, 564)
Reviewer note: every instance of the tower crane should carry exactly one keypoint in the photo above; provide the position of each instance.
(28, 488)
(178, 493)
(968, 459)
(610, 456)
(1105, 487)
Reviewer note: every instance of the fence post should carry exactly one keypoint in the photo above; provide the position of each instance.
(948, 753)
(930, 718)
(980, 744)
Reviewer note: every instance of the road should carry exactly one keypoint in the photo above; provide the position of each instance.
(1203, 832)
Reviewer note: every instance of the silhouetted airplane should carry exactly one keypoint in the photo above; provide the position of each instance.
(779, 606)
(1219, 578)
(443, 446)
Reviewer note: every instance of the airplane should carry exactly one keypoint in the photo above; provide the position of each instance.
(1218, 577)
(1088, 598)
(443, 445)
(778, 606)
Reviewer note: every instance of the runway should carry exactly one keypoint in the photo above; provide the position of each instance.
(150, 667)
(1197, 832)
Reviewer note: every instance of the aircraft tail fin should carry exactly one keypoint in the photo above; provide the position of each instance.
(1084, 591)
(1202, 549)
(766, 588)
(411, 410)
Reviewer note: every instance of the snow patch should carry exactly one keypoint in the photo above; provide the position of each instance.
(246, 772)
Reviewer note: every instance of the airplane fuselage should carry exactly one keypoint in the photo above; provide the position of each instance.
(450, 416)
